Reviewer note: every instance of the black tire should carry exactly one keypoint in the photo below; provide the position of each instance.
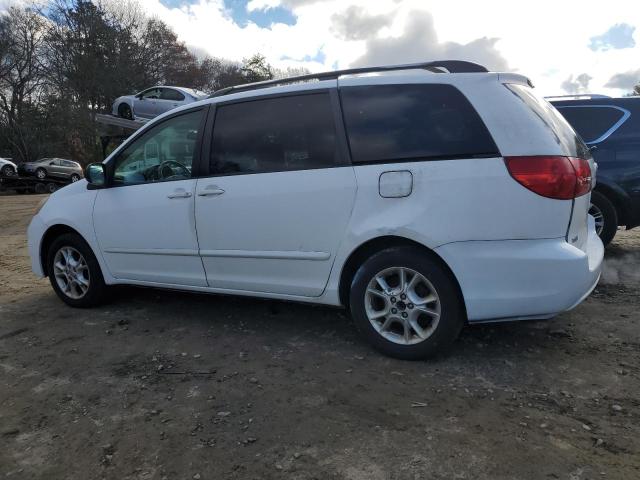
(40, 188)
(41, 173)
(452, 314)
(602, 205)
(75, 177)
(51, 187)
(97, 291)
(124, 111)
(8, 171)
(21, 191)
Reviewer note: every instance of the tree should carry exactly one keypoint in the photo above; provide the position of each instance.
(256, 69)
(62, 64)
(21, 75)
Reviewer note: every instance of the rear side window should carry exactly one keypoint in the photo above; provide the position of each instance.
(171, 94)
(274, 134)
(593, 123)
(571, 144)
(404, 122)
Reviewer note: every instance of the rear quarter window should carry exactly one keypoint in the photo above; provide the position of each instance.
(570, 143)
(413, 122)
(594, 123)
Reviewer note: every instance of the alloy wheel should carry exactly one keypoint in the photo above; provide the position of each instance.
(402, 305)
(71, 272)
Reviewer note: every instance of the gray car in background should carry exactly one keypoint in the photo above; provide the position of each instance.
(53, 168)
(153, 101)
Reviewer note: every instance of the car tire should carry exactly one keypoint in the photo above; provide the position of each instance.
(79, 281)
(424, 315)
(8, 171)
(605, 215)
(124, 111)
(40, 188)
(41, 173)
(51, 187)
(75, 177)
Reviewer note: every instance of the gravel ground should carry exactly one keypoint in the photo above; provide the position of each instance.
(181, 386)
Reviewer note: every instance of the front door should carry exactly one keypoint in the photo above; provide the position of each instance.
(271, 217)
(145, 220)
(146, 105)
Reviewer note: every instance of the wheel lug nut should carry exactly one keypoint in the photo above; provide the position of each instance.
(393, 299)
(404, 314)
(403, 296)
(393, 310)
(410, 305)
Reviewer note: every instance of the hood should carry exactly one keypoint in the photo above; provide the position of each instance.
(4, 161)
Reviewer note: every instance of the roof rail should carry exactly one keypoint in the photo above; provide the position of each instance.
(578, 96)
(444, 66)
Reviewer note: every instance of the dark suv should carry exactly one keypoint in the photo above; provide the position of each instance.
(611, 127)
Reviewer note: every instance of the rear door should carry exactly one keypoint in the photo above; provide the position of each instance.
(169, 98)
(55, 168)
(272, 213)
(67, 168)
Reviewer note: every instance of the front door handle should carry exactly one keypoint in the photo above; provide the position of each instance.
(210, 191)
(179, 194)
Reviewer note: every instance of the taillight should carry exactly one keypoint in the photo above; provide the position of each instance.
(561, 178)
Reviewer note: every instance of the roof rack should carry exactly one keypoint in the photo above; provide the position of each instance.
(444, 66)
(578, 96)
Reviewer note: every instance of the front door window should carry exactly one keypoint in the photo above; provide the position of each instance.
(163, 153)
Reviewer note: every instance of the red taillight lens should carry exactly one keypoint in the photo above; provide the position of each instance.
(583, 175)
(561, 178)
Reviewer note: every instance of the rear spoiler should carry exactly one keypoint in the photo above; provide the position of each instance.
(514, 78)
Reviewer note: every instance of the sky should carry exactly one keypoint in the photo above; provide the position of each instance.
(563, 46)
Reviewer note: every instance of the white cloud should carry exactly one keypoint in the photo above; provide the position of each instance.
(547, 41)
(625, 80)
(579, 84)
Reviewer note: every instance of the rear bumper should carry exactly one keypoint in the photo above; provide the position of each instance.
(523, 279)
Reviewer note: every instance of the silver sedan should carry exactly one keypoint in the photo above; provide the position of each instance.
(153, 101)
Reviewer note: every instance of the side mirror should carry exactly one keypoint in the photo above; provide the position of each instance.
(94, 173)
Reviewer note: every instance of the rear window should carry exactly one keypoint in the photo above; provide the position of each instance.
(572, 145)
(404, 122)
(593, 123)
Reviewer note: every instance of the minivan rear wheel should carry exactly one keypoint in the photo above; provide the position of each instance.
(406, 304)
(74, 272)
(606, 217)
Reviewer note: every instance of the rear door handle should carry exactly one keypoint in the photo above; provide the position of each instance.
(179, 194)
(210, 191)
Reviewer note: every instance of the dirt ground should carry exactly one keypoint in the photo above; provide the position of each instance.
(181, 386)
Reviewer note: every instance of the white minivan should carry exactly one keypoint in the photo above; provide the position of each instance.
(419, 196)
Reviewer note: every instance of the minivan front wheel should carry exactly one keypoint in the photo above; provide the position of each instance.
(406, 304)
(74, 272)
